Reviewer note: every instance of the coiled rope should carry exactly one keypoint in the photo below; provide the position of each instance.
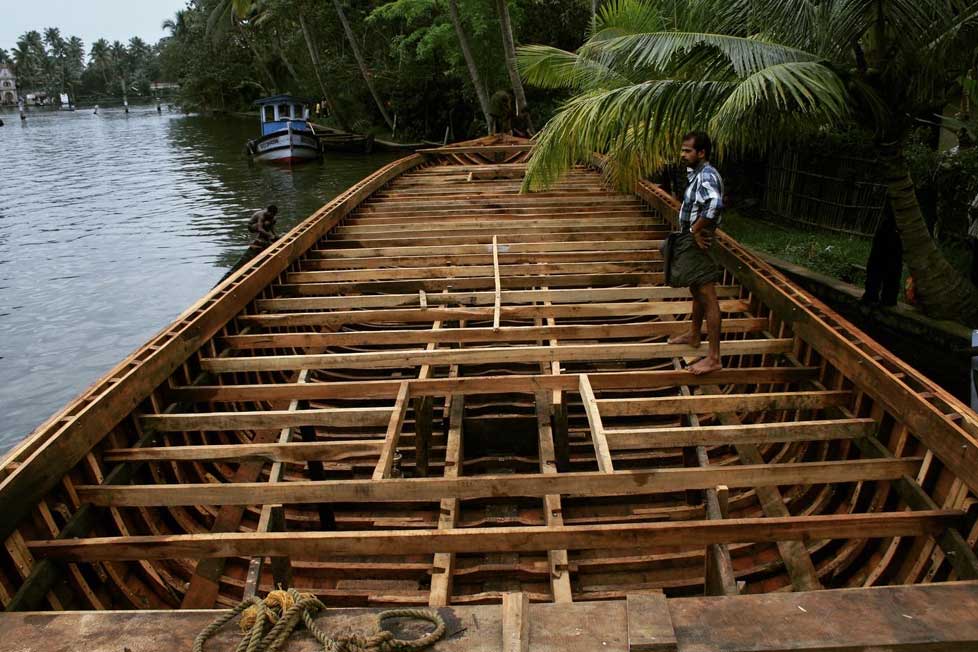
(267, 624)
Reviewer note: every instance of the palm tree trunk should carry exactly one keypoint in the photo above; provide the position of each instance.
(363, 64)
(463, 43)
(314, 56)
(509, 50)
(943, 292)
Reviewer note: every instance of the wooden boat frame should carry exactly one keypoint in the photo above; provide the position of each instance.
(815, 460)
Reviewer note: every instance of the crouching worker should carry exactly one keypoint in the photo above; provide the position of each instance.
(689, 259)
(262, 224)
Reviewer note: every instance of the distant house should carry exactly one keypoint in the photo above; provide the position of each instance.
(164, 86)
(8, 85)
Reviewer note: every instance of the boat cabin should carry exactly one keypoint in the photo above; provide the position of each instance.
(279, 111)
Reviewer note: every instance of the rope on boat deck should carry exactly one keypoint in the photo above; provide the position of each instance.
(282, 610)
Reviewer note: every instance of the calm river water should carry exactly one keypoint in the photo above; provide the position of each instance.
(111, 225)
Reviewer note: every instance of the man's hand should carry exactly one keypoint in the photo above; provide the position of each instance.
(703, 238)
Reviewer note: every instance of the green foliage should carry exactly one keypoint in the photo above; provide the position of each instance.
(754, 73)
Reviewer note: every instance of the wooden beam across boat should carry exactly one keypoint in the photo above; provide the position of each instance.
(619, 483)
(396, 359)
(315, 545)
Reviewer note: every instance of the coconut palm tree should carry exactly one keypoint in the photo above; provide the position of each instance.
(758, 73)
(509, 54)
(100, 57)
(364, 71)
(238, 14)
(5, 56)
(31, 60)
(463, 43)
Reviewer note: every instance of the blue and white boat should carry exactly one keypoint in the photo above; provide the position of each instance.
(286, 135)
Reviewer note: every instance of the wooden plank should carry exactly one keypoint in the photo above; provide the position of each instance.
(516, 622)
(265, 419)
(444, 562)
(415, 315)
(394, 426)
(398, 359)
(601, 449)
(733, 433)
(526, 384)
(619, 483)
(553, 510)
(934, 618)
(314, 545)
(757, 402)
(649, 624)
(331, 451)
(509, 334)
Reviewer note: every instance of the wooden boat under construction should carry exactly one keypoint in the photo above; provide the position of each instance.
(437, 391)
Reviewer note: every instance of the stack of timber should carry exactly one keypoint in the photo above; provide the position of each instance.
(440, 391)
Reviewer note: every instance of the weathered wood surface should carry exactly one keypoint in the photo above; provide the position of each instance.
(933, 618)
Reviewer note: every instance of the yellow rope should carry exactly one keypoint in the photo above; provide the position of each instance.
(267, 624)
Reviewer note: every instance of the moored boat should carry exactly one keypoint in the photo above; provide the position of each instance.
(439, 392)
(286, 134)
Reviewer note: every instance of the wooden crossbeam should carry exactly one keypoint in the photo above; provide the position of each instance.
(525, 384)
(331, 451)
(260, 420)
(508, 334)
(732, 434)
(453, 271)
(413, 315)
(541, 246)
(316, 545)
(757, 402)
(497, 295)
(619, 483)
(591, 295)
(398, 359)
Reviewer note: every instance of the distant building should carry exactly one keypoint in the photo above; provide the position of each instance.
(8, 85)
(164, 86)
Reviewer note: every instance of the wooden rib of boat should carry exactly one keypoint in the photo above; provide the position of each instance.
(439, 391)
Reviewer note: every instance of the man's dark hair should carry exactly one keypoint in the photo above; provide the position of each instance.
(272, 208)
(701, 142)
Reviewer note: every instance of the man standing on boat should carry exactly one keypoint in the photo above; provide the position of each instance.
(262, 223)
(690, 259)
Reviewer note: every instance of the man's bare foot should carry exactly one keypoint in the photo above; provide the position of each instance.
(685, 338)
(705, 366)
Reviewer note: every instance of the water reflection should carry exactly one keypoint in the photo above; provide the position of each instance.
(111, 225)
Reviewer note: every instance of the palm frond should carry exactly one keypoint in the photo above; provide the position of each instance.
(662, 50)
(650, 116)
(755, 114)
(549, 67)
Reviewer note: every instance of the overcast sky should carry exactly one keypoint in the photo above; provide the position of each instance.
(88, 19)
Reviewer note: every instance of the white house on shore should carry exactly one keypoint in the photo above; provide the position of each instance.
(8, 85)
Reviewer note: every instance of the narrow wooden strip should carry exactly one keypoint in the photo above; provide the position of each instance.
(335, 417)
(396, 422)
(601, 450)
(497, 297)
(619, 483)
(316, 545)
(444, 562)
(733, 434)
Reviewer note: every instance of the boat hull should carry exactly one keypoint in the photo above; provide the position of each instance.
(286, 147)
